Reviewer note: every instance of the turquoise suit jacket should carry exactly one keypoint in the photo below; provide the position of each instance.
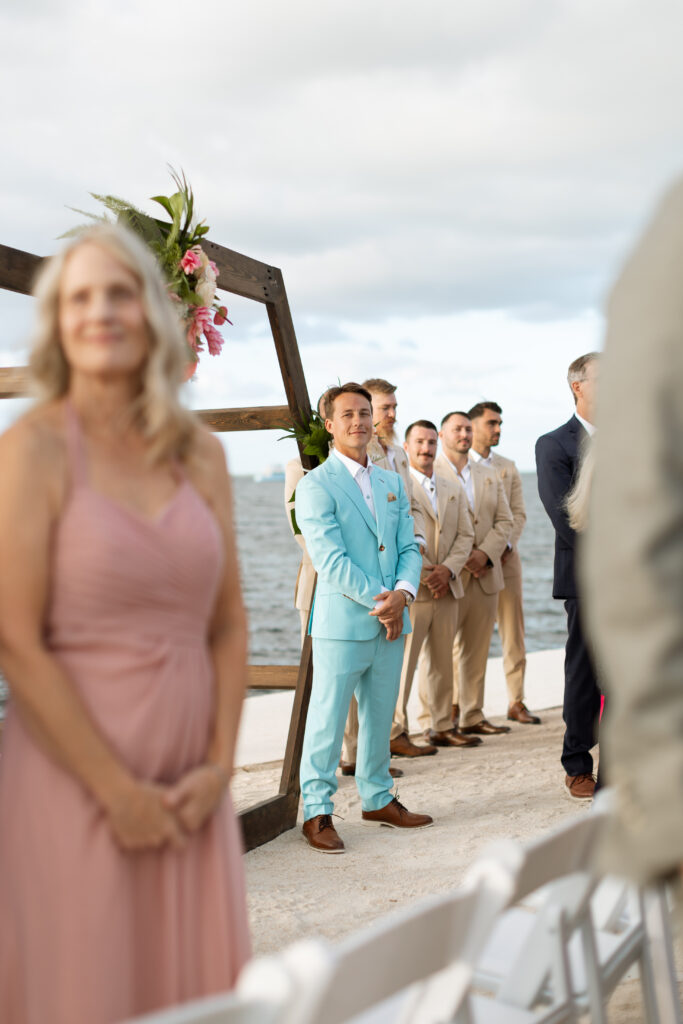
(355, 555)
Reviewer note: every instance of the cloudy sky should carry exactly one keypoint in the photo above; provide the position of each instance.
(448, 188)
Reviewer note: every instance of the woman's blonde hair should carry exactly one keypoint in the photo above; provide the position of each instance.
(166, 424)
(578, 499)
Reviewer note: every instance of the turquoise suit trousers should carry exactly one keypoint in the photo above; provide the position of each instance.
(371, 669)
(356, 555)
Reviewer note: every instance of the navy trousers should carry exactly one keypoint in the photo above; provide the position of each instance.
(581, 710)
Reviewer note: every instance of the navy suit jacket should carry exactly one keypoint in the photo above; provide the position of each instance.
(557, 463)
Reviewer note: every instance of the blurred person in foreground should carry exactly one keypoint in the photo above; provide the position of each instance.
(633, 564)
(487, 421)
(123, 640)
(558, 456)
(356, 522)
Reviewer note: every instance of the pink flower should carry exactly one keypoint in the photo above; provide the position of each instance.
(214, 268)
(200, 317)
(191, 261)
(221, 317)
(214, 339)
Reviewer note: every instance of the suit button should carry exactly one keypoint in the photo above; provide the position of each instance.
(381, 547)
(476, 522)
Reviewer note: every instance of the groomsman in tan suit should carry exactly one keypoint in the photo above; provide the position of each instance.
(434, 613)
(482, 575)
(486, 426)
(384, 452)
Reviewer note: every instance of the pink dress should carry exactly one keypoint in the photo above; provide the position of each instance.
(90, 934)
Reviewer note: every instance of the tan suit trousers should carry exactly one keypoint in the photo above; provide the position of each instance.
(511, 632)
(476, 619)
(434, 623)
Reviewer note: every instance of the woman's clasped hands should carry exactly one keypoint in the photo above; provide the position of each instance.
(147, 815)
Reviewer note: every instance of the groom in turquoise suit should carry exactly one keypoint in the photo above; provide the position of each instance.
(355, 519)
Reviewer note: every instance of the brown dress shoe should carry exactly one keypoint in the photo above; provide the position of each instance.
(485, 728)
(395, 815)
(402, 746)
(349, 768)
(580, 787)
(321, 835)
(455, 717)
(518, 712)
(451, 738)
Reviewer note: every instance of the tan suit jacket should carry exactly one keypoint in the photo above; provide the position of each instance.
(380, 458)
(632, 565)
(449, 537)
(305, 580)
(491, 518)
(508, 474)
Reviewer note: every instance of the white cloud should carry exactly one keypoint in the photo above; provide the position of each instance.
(463, 178)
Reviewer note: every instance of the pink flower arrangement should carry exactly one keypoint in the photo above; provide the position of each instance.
(201, 274)
(191, 261)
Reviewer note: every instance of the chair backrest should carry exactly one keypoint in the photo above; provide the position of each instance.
(229, 1008)
(441, 934)
(561, 865)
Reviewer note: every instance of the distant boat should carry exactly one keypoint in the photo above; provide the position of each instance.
(271, 474)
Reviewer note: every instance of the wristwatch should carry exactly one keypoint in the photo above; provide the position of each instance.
(408, 596)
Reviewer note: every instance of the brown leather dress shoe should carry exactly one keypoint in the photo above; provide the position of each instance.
(321, 835)
(519, 712)
(580, 787)
(395, 815)
(485, 728)
(451, 738)
(349, 768)
(455, 717)
(402, 746)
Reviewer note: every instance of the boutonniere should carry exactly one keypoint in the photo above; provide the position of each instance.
(391, 497)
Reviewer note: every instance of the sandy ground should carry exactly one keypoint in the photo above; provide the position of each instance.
(509, 787)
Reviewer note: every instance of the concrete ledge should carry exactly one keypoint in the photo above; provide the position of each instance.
(265, 719)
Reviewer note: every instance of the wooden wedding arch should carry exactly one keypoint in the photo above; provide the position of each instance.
(251, 279)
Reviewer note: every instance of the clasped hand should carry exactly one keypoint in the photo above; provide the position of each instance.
(148, 816)
(437, 578)
(477, 563)
(390, 611)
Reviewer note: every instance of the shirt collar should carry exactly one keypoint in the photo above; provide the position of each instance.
(421, 478)
(353, 467)
(588, 427)
(480, 458)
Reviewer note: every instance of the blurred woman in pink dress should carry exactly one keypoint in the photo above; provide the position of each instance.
(123, 640)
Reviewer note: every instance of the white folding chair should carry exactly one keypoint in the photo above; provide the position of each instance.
(525, 965)
(261, 997)
(413, 967)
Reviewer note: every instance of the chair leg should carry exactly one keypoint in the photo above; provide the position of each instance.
(658, 970)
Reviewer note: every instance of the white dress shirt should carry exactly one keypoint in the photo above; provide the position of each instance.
(468, 483)
(480, 458)
(428, 484)
(361, 474)
(590, 429)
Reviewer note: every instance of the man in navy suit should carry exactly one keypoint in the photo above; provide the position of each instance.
(557, 462)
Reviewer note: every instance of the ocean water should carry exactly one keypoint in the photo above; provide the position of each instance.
(269, 558)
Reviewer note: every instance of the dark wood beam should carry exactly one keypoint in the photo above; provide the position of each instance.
(273, 677)
(260, 417)
(17, 269)
(14, 382)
